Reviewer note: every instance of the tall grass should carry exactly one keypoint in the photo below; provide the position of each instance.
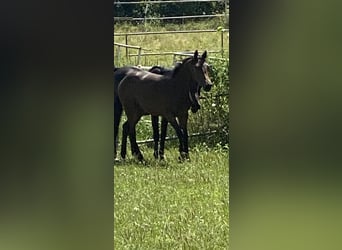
(169, 42)
(155, 25)
(172, 205)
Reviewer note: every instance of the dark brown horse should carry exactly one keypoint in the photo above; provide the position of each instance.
(119, 74)
(195, 106)
(142, 93)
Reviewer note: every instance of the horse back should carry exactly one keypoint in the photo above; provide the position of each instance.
(121, 73)
(148, 92)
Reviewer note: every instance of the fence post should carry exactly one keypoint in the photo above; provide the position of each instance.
(226, 12)
(222, 43)
(126, 42)
(118, 54)
(139, 55)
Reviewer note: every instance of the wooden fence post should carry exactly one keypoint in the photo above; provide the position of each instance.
(222, 43)
(126, 42)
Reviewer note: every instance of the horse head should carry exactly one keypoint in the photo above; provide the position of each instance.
(200, 71)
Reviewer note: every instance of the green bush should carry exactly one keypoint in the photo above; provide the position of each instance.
(167, 9)
(214, 112)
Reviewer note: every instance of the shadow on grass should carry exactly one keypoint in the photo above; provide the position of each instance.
(147, 163)
(196, 146)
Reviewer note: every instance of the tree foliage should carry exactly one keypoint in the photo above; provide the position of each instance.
(214, 114)
(167, 9)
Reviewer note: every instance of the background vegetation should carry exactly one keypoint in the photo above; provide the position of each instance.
(167, 9)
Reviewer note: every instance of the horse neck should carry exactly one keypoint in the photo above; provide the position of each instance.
(183, 79)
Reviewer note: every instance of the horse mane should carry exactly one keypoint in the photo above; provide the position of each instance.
(160, 68)
(166, 72)
(156, 67)
(179, 65)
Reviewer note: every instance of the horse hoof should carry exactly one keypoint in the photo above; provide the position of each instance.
(116, 160)
(161, 157)
(139, 157)
(184, 156)
(155, 154)
(195, 108)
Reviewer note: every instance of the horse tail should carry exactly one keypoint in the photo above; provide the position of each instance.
(117, 118)
(118, 109)
(117, 115)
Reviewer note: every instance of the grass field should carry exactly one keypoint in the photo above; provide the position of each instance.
(172, 205)
(169, 42)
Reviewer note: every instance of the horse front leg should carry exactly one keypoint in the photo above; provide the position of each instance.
(155, 127)
(183, 123)
(180, 136)
(134, 144)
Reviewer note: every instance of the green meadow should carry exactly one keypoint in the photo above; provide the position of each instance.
(173, 205)
(156, 43)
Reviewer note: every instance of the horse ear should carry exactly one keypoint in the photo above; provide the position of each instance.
(196, 55)
(204, 55)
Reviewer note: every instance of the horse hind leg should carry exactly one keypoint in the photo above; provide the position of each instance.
(125, 131)
(183, 121)
(117, 118)
(134, 144)
(162, 138)
(134, 114)
(155, 127)
(180, 136)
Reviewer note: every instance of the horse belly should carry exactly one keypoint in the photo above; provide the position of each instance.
(148, 96)
(152, 104)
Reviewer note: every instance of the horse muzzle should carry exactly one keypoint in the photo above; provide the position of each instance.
(207, 86)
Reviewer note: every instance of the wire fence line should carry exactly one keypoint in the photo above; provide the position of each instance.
(168, 32)
(141, 54)
(165, 18)
(176, 138)
(166, 1)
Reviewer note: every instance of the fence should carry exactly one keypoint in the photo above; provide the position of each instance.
(166, 1)
(170, 138)
(174, 54)
(120, 45)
